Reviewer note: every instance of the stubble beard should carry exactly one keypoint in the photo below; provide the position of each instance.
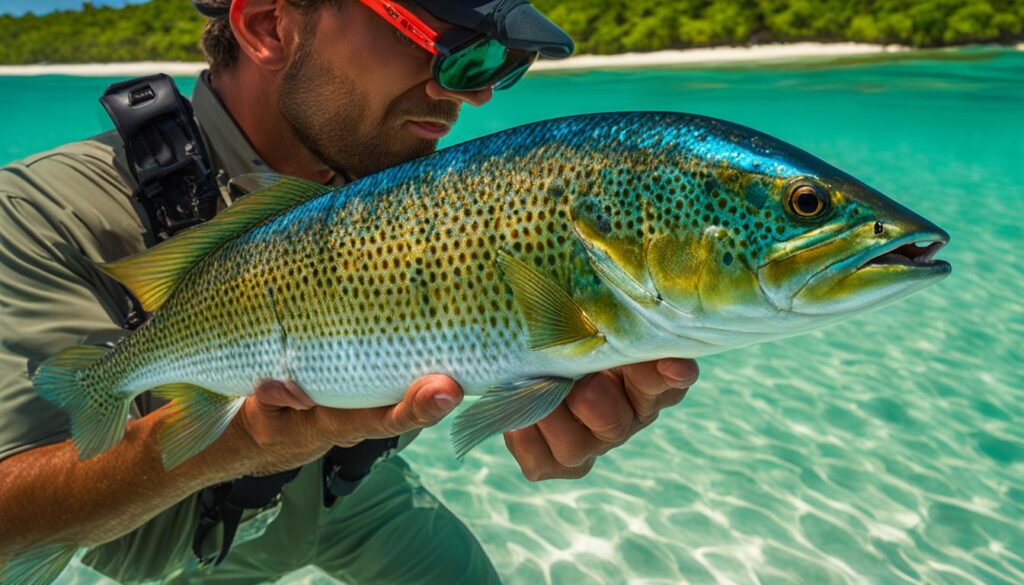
(326, 112)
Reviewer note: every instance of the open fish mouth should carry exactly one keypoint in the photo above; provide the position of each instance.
(876, 275)
(913, 251)
(919, 252)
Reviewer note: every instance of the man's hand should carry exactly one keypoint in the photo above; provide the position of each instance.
(602, 411)
(287, 430)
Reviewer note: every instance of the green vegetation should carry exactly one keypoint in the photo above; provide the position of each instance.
(169, 29)
(157, 30)
(612, 26)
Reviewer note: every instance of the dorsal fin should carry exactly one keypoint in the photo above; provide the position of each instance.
(154, 274)
(252, 182)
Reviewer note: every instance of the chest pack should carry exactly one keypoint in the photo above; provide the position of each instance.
(176, 189)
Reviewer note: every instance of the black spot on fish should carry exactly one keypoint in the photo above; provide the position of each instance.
(556, 191)
(879, 228)
(727, 259)
(604, 225)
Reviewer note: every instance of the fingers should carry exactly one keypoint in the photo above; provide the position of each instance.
(569, 442)
(672, 397)
(679, 373)
(272, 395)
(425, 403)
(535, 459)
(646, 383)
(599, 402)
(595, 417)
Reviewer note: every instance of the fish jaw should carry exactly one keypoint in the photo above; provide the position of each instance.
(876, 275)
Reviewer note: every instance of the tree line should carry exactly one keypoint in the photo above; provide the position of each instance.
(169, 29)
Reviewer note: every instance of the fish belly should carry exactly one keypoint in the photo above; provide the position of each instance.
(352, 372)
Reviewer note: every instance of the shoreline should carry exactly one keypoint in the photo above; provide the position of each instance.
(701, 56)
(718, 55)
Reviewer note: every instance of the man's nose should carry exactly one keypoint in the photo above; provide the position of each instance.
(474, 98)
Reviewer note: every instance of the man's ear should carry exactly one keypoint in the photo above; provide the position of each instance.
(262, 28)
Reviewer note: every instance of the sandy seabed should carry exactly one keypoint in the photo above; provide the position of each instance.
(621, 61)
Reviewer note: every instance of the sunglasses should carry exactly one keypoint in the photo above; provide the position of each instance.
(464, 60)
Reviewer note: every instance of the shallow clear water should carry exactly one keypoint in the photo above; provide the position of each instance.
(880, 450)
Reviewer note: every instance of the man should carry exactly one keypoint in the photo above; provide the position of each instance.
(328, 90)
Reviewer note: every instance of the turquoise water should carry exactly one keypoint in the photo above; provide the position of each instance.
(885, 449)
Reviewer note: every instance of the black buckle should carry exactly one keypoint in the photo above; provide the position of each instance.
(165, 153)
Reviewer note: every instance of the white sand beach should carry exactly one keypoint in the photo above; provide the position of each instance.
(715, 55)
(708, 56)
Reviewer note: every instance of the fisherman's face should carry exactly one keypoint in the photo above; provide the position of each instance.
(361, 98)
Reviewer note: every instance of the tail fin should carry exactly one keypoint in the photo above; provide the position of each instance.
(39, 567)
(98, 414)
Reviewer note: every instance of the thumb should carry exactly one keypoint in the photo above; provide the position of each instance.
(426, 402)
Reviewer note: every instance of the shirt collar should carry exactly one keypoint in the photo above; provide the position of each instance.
(230, 151)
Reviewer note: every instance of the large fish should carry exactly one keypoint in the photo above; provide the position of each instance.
(515, 263)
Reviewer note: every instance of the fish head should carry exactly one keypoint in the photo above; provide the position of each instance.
(846, 248)
(784, 231)
(742, 233)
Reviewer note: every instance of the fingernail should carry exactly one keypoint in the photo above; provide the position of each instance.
(677, 374)
(445, 401)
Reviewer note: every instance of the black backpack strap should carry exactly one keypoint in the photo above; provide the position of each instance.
(177, 186)
(166, 156)
(346, 467)
(224, 505)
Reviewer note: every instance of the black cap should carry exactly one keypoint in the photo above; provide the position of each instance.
(212, 8)
(516, 23)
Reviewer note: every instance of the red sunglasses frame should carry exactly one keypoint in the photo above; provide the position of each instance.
(407, 23)
(420, 33)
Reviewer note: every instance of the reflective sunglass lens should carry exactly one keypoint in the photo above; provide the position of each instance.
(483, 64)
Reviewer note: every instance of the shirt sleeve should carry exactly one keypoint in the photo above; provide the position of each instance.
(51, 297)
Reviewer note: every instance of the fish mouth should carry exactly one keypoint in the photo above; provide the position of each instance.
(876, 275)
(911, 251)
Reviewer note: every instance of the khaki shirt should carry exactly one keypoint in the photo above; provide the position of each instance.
(61, 212)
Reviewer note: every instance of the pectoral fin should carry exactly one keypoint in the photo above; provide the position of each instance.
(198, 417)
(507, 408)
(552, 317)
(41, 566)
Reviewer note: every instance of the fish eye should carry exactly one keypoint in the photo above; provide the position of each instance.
(807, 201)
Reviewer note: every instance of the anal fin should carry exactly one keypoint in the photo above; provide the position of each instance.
(198, 418)
(41, 566)
(505, 408)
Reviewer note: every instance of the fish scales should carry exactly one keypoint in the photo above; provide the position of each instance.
(355, 293)
(515, 263)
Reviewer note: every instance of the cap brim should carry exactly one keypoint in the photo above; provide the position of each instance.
(526, 29)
